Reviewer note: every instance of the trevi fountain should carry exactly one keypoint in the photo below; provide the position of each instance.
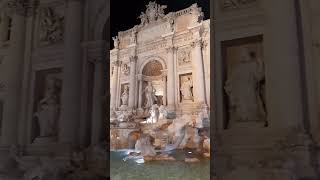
(159, 113)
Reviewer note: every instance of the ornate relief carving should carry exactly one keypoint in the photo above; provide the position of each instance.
(133, 36)
(236, 4)
(184, 56)
(51, 26)
(125, 69)
(152, 68)
(153, 13)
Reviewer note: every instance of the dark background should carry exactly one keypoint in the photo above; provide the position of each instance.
(124, 14)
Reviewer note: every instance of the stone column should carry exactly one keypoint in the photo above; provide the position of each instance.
(113, 85)
(132, 83)
(197, 63)
(140, 92)
(164, 83)
(4, 27)
(283, 76)
(71, 89)
(171, 79)
(97, 108)
(13, 77)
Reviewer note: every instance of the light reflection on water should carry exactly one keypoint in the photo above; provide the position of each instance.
(158, 170)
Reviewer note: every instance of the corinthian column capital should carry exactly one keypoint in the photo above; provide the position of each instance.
(20, 7)
(171, 49)
(133, 59)
(197, 43)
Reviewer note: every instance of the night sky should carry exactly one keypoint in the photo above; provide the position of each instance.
(125, 13)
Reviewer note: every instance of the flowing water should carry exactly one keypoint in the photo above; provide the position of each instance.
(137, 169)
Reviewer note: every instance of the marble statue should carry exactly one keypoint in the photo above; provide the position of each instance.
(186, 89)
(150, 95)
(115, 42)
(125, 96)
(163, 112)
(48, 109)
(154, 114)
(197, 13)
(242, 87)
(144, 19)
(153, 13)
(51, 26)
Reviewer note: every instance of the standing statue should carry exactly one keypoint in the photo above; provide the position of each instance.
(125, 96)
(115, 42)
(150, 95)
(244, 88)
(48, 109)
(186, 89)
(51, 26)
(144, 19)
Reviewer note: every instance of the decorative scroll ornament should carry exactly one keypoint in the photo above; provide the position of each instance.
(51, 26)
(153, 13)
(184, 57)
(236, 4)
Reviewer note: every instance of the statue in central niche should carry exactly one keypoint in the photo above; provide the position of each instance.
(48, 109)
(150, 95)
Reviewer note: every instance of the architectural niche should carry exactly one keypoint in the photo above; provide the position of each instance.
(152, 68)
(51, 26)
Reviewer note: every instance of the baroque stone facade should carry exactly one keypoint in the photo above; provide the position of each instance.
(51, 77)
(162, 49)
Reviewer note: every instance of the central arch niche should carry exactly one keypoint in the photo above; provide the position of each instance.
(152, 68)
(153, 72)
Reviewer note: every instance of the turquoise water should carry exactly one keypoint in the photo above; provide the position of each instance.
(135, 169)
